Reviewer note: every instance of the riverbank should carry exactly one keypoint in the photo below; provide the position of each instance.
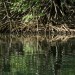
(53, 17)
(33, 27)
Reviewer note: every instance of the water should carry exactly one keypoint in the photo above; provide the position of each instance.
(37, 55)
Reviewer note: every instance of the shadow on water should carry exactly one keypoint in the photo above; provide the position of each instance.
(37, 55)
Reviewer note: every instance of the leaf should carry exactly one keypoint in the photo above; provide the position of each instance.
(27, 17)
(41, 14)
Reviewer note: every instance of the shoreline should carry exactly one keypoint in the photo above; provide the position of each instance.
(38, 28)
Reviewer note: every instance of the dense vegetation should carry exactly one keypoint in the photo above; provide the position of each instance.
(22, 12)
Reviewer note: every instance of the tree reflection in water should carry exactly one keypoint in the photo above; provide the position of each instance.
(21, 58)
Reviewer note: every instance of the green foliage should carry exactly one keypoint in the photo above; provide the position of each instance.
(27, 18)
(19, 6)
(30, 9)
(26, 10)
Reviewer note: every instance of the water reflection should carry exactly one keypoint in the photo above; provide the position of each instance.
(37, 55)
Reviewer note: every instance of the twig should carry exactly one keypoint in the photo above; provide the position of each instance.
(7, 15)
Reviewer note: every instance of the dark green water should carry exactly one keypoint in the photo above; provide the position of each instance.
(37, 55)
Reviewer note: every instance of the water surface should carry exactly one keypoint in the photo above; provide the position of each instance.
(37, 55)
